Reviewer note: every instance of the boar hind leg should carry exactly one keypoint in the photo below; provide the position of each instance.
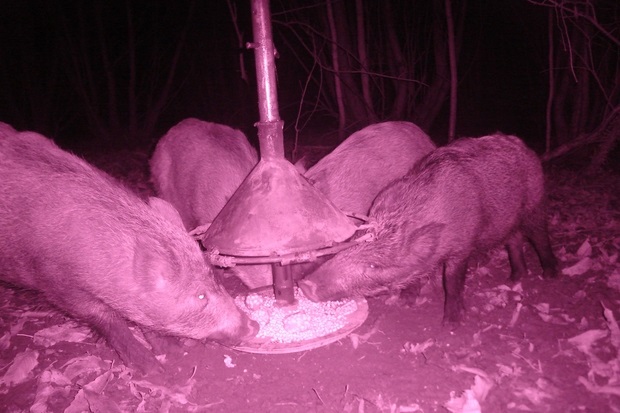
(514, 246)
(536, 232)
(453, 285)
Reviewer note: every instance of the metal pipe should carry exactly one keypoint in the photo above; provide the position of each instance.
(283, 284)
(270, 126)
(270, 135)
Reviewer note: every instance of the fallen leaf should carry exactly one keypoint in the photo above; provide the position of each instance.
(515, 315)
(5, 341)
(546, 386)
(534, 395)
(609, 258)
(412, 408)
(584, 341)
(542, 308)
(90, 401)
(70, 332)
(579, 268)
(613, 281)
(481, 387)
(51, 383)
(21, 368)
(593, 388)
(466, 403)
(418, 348)
(472, 370)
(83, 366)
(509, 371)
(176, 394)
(228, 361)
(357, 339)
(100, 383)
(613, 327)
(585, 250)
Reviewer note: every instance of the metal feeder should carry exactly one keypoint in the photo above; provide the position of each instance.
(276, 216)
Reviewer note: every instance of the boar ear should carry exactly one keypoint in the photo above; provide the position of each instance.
(321, 176)
(422, 243)
(166, 210)
(149, 264)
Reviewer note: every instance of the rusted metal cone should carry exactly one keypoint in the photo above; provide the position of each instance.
(276, 211)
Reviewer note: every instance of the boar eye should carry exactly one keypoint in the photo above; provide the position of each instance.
(202, 296)
(372, 265)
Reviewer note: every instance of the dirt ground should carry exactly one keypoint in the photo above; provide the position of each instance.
(537, 346)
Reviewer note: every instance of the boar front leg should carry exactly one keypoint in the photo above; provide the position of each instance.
(453, 285)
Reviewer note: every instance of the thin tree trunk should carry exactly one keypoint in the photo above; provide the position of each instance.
(232, 8)
(561, 104)
(363, 58)
(440, 86)
(582, 97)
(551, 84)
(131, 92)
(336, 66)
(453, 71)
(401, 88)
(609, 136)
(83, 74)
(352, 96)
(157, 107)
(113, 123)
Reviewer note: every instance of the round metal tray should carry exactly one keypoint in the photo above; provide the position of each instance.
(266, 346)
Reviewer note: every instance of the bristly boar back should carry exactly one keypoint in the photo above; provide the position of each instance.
(471, 195)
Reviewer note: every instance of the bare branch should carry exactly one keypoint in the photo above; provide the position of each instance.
(575, 12)
(336, 63)
(232, 8)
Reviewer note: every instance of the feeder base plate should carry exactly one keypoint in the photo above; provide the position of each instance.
(343, 316)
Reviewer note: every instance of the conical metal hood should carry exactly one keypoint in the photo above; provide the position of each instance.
(276, 211)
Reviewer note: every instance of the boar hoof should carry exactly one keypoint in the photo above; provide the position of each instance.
(162, 344)
(550, 273)
(450, 325)
(137, 356)
(452, 319)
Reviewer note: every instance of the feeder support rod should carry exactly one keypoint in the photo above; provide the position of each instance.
(270, 126)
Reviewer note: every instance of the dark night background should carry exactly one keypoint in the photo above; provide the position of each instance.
(107, 78)
(66, 68)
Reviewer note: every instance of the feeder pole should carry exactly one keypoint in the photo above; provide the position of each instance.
(270, 126)
(270, 136)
